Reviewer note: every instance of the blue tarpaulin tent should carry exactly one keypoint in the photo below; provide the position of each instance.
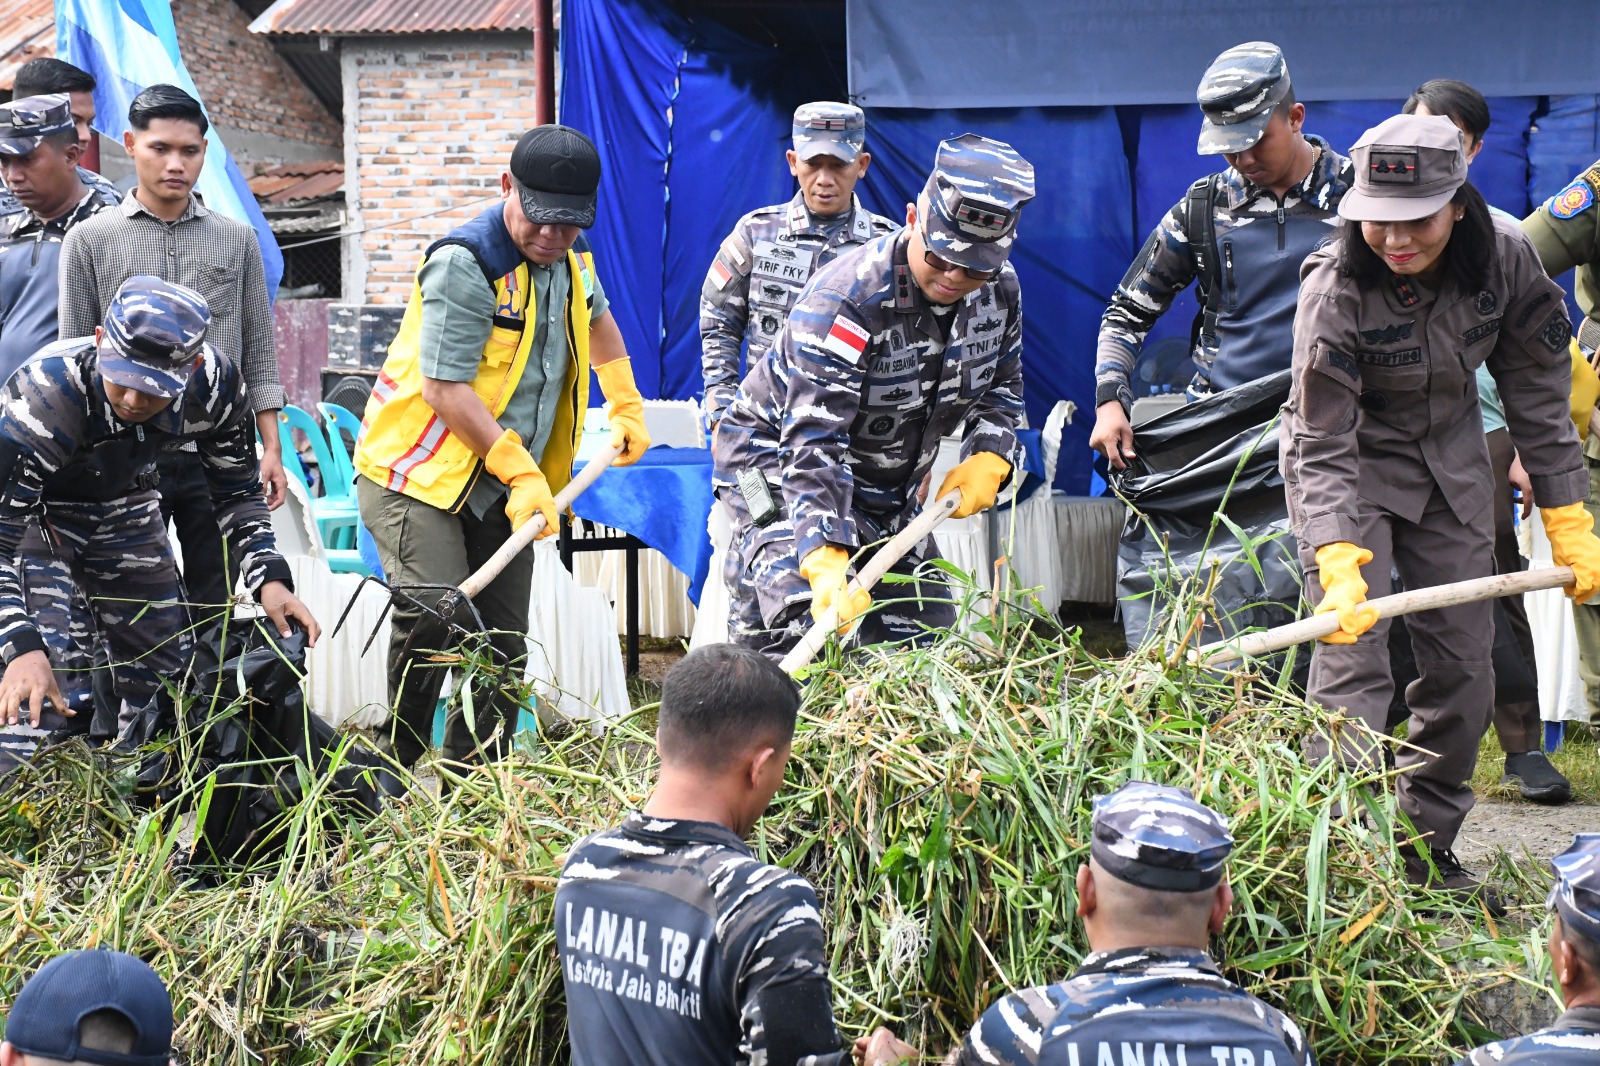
(690, 105)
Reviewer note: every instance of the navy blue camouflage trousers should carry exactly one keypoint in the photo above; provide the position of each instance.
(101, 576)
(770, 603)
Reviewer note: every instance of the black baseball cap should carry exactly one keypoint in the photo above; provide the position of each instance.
(48, 1013)
(557, 171)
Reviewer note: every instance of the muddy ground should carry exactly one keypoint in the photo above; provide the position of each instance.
(1516, 825)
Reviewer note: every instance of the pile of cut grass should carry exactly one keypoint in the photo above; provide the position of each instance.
(939, 800)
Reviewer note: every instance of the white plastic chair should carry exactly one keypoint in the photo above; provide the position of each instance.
(342, 685)
(573, 655)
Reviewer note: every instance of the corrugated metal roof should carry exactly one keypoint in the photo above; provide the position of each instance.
(359, 17)
(318, 223)
(27, 31)
(294, 182)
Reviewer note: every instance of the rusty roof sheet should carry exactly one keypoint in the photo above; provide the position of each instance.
(295, 182)
(359, 17)
(27, 31)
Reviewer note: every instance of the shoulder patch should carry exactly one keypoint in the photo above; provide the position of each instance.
(847, 340)
(1573, 200)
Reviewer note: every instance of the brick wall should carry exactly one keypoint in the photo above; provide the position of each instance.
(429, 125)
(246, 86)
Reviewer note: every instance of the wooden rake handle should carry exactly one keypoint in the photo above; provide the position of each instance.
(535, 525)
(886, 556)
(1410, 602)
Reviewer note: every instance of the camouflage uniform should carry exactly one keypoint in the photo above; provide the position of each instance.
(30, 246)
(771, 254)
(759, 270)
(843, 417)
(677, 946)
(1148, 1004)
(1574, 1037)
(30, 253)
(79, 478)
(1260, 243)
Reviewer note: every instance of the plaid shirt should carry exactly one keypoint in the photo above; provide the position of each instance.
(216, 256)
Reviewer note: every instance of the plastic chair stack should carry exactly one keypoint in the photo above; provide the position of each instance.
(334, 510)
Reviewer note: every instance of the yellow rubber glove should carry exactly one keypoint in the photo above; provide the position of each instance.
(1585, 390)
(509, 461)
(1573, 543)
(979, 478)
(826, 568)
(627, 409)
(1339, 566)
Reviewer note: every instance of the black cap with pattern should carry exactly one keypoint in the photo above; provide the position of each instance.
(557, 171)
(1159, 837)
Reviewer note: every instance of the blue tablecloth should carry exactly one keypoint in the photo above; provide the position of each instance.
(664, 499)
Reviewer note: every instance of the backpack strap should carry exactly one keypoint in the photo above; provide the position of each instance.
(1200, 229)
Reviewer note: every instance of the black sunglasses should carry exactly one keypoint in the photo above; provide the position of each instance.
(944, 266)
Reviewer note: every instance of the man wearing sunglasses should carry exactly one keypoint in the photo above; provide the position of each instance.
(893, 345)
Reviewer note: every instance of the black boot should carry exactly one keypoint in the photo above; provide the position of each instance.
(1536, 778)
(1438, 869)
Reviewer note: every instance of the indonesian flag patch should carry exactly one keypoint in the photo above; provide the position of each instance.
(721, 273)
(847, 340)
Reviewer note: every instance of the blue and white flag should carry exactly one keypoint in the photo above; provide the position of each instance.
(130, 45)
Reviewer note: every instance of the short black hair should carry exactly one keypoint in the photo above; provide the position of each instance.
(38, 77)
(166, 101)
(63, 140)
(1466, 259)
(1455, 100)
(1285, 105)
(722, 700)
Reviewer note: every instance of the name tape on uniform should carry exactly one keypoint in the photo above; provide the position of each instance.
(782, 261)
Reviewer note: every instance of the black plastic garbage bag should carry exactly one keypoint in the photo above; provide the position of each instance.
(246, 716)
(1218, 455)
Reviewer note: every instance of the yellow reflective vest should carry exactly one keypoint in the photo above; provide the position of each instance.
(405, 446)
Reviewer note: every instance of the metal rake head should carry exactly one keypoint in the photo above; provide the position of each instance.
(446, 603)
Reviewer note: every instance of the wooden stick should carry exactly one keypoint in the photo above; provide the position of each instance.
(535, 525)
(885, 557)
(1410, 602)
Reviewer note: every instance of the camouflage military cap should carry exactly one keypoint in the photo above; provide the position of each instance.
(25, 123)
(1238, 94)
(1159, 837)
(1407, 167)
(154, 331)
(970, 206)
(827, 128)
(1576, 893)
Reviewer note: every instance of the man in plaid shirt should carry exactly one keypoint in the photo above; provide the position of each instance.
(161, 229)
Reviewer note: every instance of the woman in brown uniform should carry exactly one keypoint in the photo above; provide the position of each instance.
(1384, 457)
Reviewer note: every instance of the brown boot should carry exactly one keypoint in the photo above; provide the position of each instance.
(1439, 870)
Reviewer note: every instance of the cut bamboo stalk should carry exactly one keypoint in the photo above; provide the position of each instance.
(1401, 603)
